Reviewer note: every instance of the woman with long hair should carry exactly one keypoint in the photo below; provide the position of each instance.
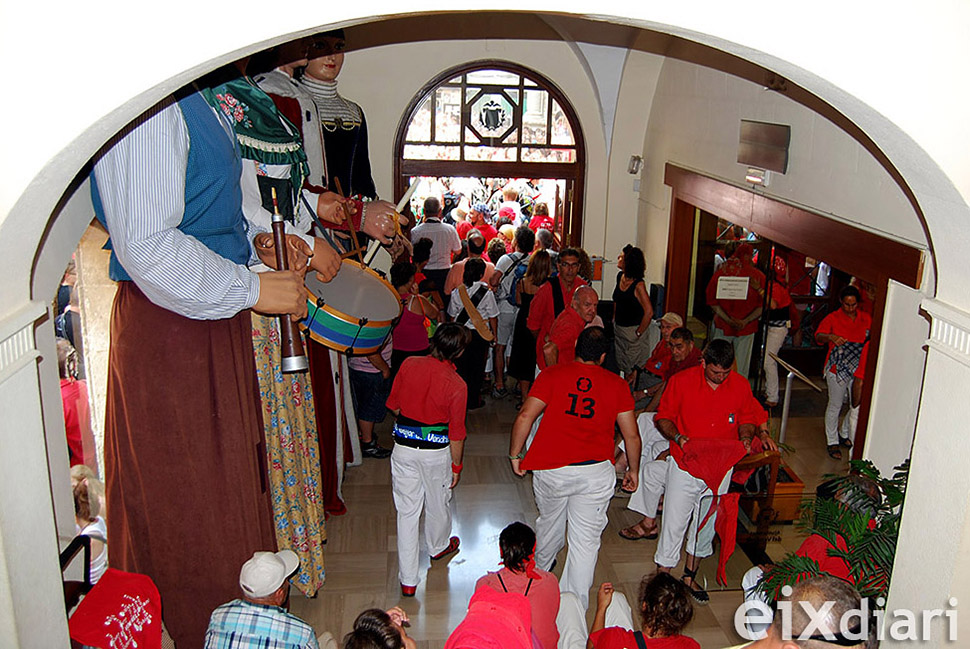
(522, 364)
(410, 335)
(633, 310)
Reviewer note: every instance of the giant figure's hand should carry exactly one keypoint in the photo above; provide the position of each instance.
(330, 207)
(281, 292)
(325, 260)
(298, 253)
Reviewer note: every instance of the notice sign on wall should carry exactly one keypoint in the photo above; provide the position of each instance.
(732, 288)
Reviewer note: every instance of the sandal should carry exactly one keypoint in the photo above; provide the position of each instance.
(845, 442)
(835, 452)
(699, 594)
(637, 533)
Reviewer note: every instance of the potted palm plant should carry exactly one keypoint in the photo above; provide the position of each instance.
(859, 522)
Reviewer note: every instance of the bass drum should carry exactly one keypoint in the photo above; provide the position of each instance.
(354, 312)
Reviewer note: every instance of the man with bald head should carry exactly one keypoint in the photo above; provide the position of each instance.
(818, 613)
(560, 344)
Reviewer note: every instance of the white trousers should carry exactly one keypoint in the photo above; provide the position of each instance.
(571, 619)
(837, 396)
(759, 608)
(653, 474)
(743, 345)
(686, 503)
(579, 495)
(420, 480)
(773, 343)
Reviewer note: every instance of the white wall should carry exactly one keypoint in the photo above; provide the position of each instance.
(897, 388)
(695, 122)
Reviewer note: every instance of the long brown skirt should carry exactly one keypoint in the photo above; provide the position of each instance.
(184, 457)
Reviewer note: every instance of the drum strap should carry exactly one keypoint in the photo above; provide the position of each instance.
(470, 308)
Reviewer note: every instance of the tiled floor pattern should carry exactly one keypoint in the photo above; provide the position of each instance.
(361, 554)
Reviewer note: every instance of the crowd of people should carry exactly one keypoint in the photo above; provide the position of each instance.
(213, 453)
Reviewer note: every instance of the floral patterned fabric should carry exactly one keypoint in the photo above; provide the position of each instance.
(293, 457)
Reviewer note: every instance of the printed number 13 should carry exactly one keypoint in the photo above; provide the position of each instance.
(587, 407)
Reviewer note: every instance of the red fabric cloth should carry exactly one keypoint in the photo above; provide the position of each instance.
(838, 323)
(701, 412)
(660, 359)
(495, 620)
(816, 547)
(709, 460)
(543, 599)
(726, 527)
(734, 267)
(541, 311)
(693, 360)
(615, 637)
(860, 372)
(582, 402)
(123, 609)
(564, 333)
(430, 391)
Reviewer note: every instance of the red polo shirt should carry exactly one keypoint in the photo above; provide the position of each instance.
(736, 308)
(564, 332)
(659, 360)
(839, 324)
(702, 412)
(541, 312)
(582, 403)
(430, 391)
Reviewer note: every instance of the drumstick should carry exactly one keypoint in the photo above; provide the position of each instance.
(408, 194)
(350, 224)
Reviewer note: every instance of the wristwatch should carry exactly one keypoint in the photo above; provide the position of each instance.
(517, 457)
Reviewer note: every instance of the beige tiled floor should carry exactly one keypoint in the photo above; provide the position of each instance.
(361, 554)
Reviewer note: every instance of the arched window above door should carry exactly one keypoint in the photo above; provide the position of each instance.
(495, 119)
(490, 114)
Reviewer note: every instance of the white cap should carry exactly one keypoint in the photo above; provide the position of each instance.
(262, 575)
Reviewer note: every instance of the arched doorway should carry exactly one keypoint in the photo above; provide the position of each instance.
(496, 119)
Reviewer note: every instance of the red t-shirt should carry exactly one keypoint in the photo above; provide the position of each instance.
(543, 599)
(430, 391)
(582, 403)
(701, 412)
(780, 295)
(540, 221)
(737, 308)
(660, 359)
(693, 359)
(615, 637)
(487, 230)
(564, 332)
(541, 311)
(838, 323)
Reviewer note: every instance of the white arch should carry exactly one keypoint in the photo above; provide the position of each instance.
(895, 73)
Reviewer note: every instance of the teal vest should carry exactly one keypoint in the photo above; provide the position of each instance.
(213, 198)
